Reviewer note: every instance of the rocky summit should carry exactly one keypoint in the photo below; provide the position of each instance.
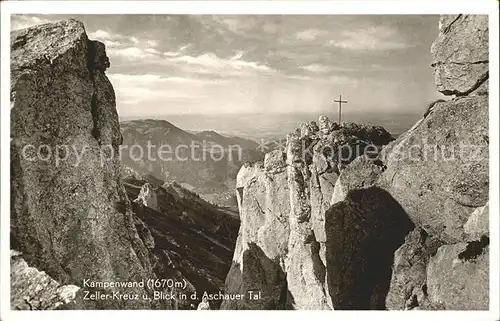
(282, 243)
(400, 226)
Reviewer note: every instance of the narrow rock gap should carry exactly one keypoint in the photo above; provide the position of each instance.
(94, 112)
(240, 193)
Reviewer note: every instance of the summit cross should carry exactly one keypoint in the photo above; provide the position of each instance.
(340, 101)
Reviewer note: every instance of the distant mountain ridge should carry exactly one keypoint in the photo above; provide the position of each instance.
(269, 126)
(196, 161)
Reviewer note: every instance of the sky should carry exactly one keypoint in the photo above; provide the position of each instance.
(222, 64)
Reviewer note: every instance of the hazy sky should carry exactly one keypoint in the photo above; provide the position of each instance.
(173, 64)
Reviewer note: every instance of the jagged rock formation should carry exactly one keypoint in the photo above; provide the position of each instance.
(147, 197)
(282, 203)
(70, 215)
(35, 290)
(403, 229)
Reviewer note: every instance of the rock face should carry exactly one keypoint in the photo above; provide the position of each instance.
(282, 243)
(406, 228)
(70, 215)
(444, 162)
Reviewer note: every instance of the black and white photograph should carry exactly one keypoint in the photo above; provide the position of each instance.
(249, 161)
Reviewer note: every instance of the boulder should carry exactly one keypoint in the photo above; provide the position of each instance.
(32, 289)
(362, 173)
(321, 187)
(313, 126)
(439, 172)
(305, 130)
(460, 53)
(458, 277)
(256, 273)
(324, 124)
(305, 272)
(246, 173)
(262, 243)
(478, 223)
(362, 234)
(440, 169)
(377, 135)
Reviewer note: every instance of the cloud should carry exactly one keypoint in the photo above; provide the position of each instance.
(152, 43)
(118, 40)
(371, 38)
(130, 53)
(171, 53)
(23, 21)
(100, 35)
(144, 79)
(143, 88)
(317, 68)
(310, 34)
(105, 37)
(237, 25)
(257, 62)
(178, 52)
(152, 51)
(176, 62)
(270, 27)
(349, 81)
(154, 79)
(210, 62)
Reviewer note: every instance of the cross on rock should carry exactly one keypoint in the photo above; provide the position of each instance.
(340, 101)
